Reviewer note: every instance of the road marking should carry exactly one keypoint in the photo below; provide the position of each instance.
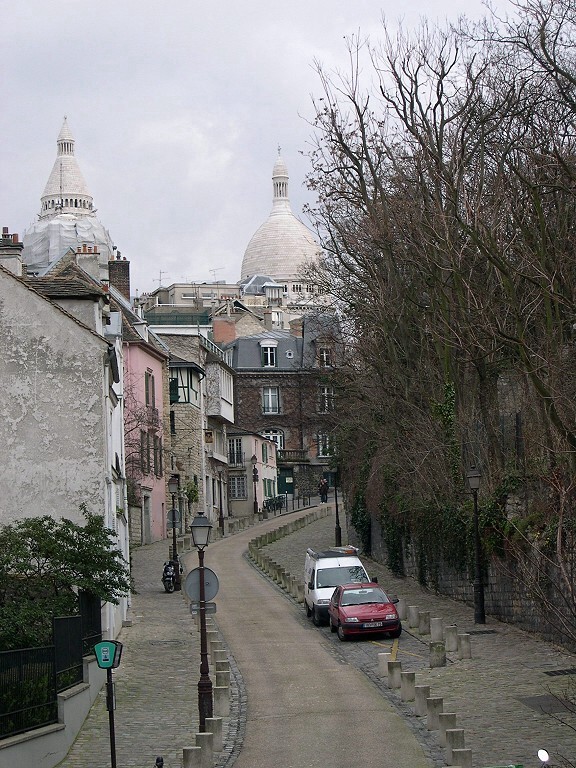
(394, 652)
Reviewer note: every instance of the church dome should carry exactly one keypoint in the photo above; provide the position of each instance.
(283, 244)
(67, 217)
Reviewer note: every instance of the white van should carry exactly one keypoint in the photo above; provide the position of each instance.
(323, 572)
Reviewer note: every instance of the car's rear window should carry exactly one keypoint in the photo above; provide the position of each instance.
(333, 577)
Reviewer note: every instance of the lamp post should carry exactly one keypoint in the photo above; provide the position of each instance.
(474, 476)
(337, 529)
(173, 487)
(200, 529)
(255, 484)
(221, 515)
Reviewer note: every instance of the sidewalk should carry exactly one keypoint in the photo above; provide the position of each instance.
(502, 695)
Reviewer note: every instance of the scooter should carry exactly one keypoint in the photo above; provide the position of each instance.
(169, 576)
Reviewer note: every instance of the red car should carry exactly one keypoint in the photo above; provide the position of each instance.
(361, 609)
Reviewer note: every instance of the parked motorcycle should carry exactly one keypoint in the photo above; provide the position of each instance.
(169, 576)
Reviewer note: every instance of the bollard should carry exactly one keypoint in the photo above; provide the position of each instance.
(437, 655)
(446, 720)
(434, 705)
(464, 647)
(407, 685)
(454, 740)
(214, 725)
(413, 616)
(401, 608)
(222, 666)
(293, 586)
(206, 741)
(451, 633)
(437, 630)
(463, 756)
(383, 659)
(220, 654)
(222, 679)
(192, 757)
(300, 597)
(421, 693)
(221, 701)
(394, 673)
(424, 622)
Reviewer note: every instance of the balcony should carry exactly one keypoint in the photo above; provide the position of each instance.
(297, 456)
(236, 460)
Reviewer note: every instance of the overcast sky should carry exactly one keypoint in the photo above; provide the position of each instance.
(177, 109)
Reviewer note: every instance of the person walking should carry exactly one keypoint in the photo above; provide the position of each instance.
(323, 490)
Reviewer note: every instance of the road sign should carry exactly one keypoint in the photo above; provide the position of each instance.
(108, 654)
(195, 608)
(192, 585)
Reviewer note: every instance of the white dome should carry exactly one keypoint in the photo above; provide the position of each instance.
(283, 244)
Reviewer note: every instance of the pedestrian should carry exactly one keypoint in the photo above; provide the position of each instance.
(323, 490)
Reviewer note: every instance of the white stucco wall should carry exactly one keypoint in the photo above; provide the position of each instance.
(52, 399)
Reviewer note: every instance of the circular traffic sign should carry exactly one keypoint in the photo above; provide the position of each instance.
(192, 585)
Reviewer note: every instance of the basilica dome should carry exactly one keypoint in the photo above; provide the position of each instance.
(283, 244)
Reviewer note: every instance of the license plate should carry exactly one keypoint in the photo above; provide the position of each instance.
(373, 624)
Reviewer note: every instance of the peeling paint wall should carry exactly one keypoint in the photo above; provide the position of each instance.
(52, 419)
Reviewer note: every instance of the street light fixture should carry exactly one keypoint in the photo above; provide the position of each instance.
(200, 529)
(173, 488)
(474, 476)
(255, 483)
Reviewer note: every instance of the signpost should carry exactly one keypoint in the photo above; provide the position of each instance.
(108, 655)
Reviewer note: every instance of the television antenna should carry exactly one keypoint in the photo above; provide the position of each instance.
(159, 278)
(213, 272)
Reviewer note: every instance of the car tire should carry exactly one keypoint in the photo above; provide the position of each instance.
(332, 627)
(315, 617)
(341, 635)
(308, 611)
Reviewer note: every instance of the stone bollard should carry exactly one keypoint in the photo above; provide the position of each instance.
(394, 674)
(206, 742)
(464, 646)
(437, 630)
(437, 655)
(454, 740)
(421, 693)
(434, 705)
(294, 586)
(214, 725)
(222, 666)
(222, 679)
(401, 608)
(300, 597)
(383, 659)
(211, 636)
(463, 756)
(221, 654)
(221, 701)
(413, 619)
(451, 633)
(424, 622)
(192, 757)
(446, 720)
(407, 685)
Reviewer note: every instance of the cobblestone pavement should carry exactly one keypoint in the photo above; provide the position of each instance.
(501, 696)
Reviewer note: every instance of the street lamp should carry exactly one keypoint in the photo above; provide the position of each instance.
(337, 529)
(255, 482)
(173, 487)
(221, 516)
(200, 529)
(474, 476)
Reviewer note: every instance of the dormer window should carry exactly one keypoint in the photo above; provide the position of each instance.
(268, 353)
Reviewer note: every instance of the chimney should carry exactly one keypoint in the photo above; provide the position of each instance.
(268, 319)
(297, 327)
(119, 274)
(11, 252)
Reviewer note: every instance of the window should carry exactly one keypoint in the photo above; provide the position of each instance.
(269, 357)
(184, 386)
(158, 468)
(149, 392)
(276, 435)
(237, 485)
(235, 455)
(145, 452)
(326, 399)
(270, 400)
(324, 444)
(172, 422)
(325, 357)
(297, 288)
(264, 453)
